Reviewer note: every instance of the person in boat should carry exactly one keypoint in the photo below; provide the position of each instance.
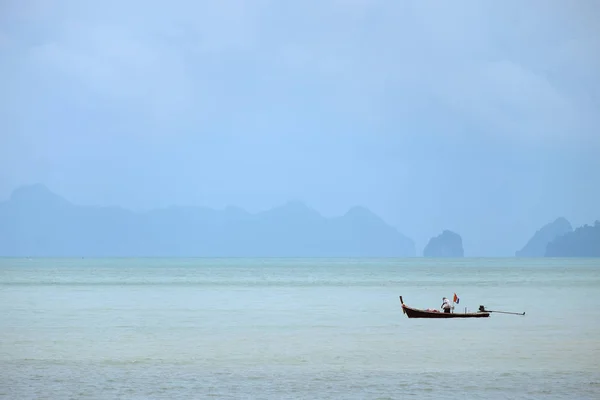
(446, 306)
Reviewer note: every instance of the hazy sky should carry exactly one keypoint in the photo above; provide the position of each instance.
(476, 116)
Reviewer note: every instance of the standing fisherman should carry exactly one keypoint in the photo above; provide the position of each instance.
(446, 305)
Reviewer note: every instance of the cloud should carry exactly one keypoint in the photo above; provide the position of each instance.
(4, 41)
(114, 65)
(509, 100)
(514, 70)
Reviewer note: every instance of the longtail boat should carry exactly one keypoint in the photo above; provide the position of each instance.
(418, 313)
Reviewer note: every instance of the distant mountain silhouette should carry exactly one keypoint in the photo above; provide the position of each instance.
(37, 222)
(446, 244)
(582, 242)
(536, 246)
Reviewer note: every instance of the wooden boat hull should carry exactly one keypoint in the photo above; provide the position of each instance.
(417, 313)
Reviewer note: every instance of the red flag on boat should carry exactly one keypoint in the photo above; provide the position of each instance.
(456, 299)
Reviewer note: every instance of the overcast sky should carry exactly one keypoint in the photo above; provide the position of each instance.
(476, 116)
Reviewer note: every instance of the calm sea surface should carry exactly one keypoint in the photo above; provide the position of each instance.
(297, 328)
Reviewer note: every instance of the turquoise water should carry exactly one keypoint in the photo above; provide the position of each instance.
(297, 328)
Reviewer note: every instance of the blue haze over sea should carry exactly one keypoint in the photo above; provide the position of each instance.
(310, 128)
(297, 328)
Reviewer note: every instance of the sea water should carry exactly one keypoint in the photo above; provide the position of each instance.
(297, 328)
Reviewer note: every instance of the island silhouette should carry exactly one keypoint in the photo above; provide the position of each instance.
(446, 244)
(37, 222)
(582, 242)
(536, 246)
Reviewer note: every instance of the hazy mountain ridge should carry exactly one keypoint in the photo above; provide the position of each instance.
(536, 246)
(582, 242)
(37, 222)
